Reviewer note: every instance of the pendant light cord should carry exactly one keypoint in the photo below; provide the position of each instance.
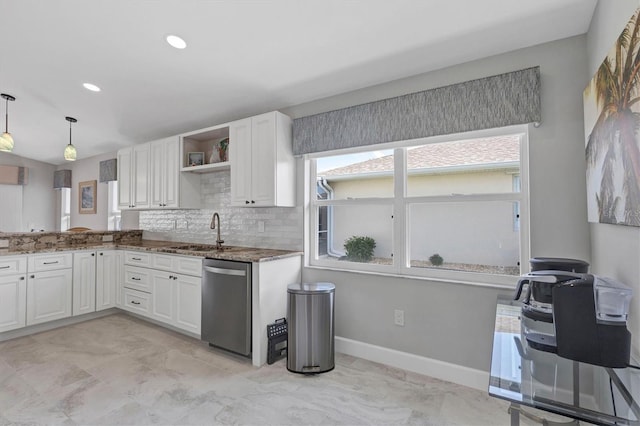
(69, 132)
(6, 116)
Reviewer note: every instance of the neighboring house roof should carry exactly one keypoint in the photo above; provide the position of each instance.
(466, 154)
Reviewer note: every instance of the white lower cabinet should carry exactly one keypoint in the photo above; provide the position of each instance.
(13, 292)
(119, 276)
(168, 291)
(84, 282)
(188, 301)
(108, 272)
(49, 287)
(176, 300)
(163, 308)
(13, 302)
(136, 301)
(49, 295)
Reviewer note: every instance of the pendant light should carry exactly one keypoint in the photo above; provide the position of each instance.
(6, 141)
(70, 150)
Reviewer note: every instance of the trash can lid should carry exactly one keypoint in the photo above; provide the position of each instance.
(311, 288)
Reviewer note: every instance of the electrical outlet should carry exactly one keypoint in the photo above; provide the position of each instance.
(107, 238)
(398, 317)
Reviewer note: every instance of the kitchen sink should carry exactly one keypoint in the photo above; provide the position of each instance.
(194, 247)
(203, 247)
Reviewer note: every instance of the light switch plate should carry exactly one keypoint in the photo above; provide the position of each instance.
(107, 238)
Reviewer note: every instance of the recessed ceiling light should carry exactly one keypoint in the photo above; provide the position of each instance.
(176, 42)
(91, 87)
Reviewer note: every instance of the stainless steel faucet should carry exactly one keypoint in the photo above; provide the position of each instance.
(219, 240)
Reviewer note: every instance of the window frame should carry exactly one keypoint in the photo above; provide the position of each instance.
(400, 203)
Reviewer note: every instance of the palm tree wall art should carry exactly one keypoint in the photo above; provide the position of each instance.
(612, 122)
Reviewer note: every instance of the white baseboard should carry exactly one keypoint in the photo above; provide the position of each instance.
(461, 375)
(46, 326)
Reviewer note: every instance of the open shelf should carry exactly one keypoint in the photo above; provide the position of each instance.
(200, 150)
(207, 168)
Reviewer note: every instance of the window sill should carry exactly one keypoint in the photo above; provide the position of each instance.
(419, 278)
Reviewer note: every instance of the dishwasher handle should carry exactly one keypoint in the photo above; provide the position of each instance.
(236, 272)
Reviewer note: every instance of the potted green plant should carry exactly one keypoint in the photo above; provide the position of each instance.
(359, 249)
(436, 260)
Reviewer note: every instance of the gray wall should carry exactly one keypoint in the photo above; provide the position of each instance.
(38, 196)
(452, 322)
(615, 248)
(88, 169)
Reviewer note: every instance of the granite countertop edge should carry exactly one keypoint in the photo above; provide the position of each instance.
(239, 254)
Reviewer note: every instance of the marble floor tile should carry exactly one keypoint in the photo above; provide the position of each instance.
(54, 374)
(121, 370)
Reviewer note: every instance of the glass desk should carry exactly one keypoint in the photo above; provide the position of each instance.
(527, 377)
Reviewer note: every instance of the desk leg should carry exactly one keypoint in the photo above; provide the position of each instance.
(514, 410)
(576, 383)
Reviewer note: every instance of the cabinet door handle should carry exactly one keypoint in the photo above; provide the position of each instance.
(136, 258)
(101, 254)
(93, 254)
(5, 267)
(175, 278)
(50, 263)
(21, 278)
(135, 279)
(32, 276)
(253, 202)
(170, 277)
(133, 302)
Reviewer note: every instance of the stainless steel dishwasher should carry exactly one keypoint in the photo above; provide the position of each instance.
(226, 305)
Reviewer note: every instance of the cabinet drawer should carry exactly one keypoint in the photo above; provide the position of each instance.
(137, 258)
(50, 262)
(13, 265)
(189, 266)
(137, 278)
(163, 262)
(178, 264)
(137, 301)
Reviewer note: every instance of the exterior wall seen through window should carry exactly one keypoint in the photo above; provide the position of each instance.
(450, 206)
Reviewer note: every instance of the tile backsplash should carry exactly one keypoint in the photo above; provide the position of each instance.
(240, 226)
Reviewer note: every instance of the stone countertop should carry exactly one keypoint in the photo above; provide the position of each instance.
(240, 254)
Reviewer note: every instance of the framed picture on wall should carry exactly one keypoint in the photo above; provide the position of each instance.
(87, 193)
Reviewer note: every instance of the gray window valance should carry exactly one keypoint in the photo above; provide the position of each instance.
(497, 101)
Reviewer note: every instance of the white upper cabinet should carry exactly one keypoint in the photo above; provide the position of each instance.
(149, 177)
(133, 177)
(262, 163)
(164, 173)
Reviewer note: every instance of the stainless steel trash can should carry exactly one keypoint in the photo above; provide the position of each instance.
(310, 313)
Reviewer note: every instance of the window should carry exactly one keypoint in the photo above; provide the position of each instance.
(450, 208)
(113, 213)
(65, 208)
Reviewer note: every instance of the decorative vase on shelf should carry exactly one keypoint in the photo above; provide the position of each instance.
(215, 155)
(222, 149)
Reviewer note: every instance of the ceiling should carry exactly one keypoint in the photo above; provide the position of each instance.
(242, 58)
